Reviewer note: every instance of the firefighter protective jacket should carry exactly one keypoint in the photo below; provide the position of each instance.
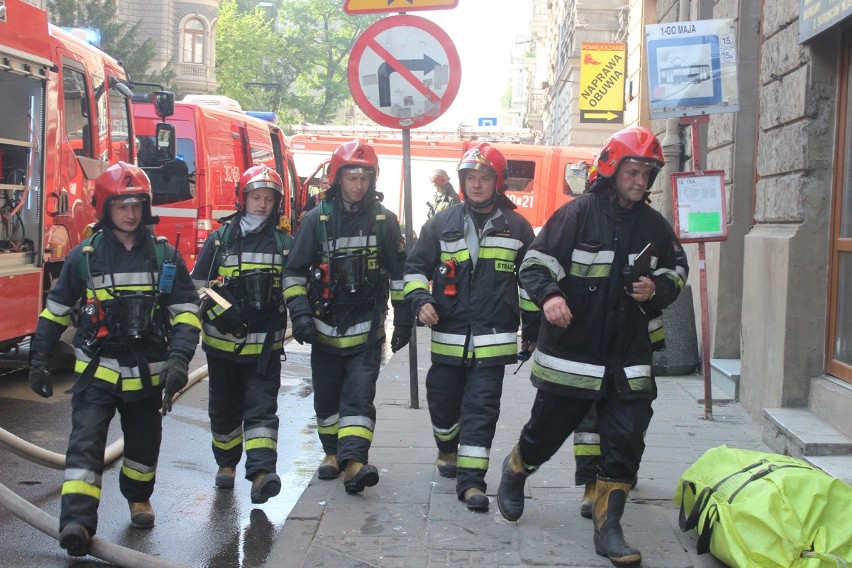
(580, 253)
(343, 319)
(478, 320)
(122, 362)
(228, 261)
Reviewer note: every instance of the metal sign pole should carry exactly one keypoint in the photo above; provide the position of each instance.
(409, 244)
(693, 122)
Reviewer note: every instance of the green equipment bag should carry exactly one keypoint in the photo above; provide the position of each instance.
(757, 509)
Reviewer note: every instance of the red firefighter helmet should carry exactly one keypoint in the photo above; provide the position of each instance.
(485, 157)
(354, 155)
(257, 177)
(634, 144)
(122, 183)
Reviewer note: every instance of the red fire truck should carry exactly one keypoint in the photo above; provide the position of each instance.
(215, 145)
(66, 117)
(541, 178)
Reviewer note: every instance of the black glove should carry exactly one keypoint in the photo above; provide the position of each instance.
(225, 321)
(303, 328)
(174, 376)
(41, 379)
(401, 337)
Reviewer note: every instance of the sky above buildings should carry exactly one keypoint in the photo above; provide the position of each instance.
(484, 33)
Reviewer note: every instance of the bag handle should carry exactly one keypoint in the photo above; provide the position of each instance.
(703, 544)
(828, 557)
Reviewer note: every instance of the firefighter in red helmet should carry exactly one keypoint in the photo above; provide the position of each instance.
(602, 269)
(347, 260)
(243, 320)
(471, 252)
(136, 333)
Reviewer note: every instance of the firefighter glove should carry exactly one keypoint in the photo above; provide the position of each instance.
(174, 376)
(41, 379)
(303, 328)
(400, 338)
(224, 320)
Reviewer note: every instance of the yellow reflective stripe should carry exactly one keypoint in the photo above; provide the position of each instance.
(102, 373)
(61, 320)
(230, 346)
(565, 378)
(446, 436)
(293, 291)
(472, 463)
(448, 350)
(397, 295)
(187, 318)
(495, 350)
(328, 429)
(412, 286)
(74, 487)
(228, 445)
(104, 294)
(459, 256)
(593, 271)
(137, 475)
(498, 253)
(259, 443)
(587, 450)
(342, 342)
(528, 305)
(358, 431)
(657, 335)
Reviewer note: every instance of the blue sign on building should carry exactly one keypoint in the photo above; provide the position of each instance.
(487, 121)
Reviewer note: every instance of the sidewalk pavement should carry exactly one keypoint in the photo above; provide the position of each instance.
(413, 519)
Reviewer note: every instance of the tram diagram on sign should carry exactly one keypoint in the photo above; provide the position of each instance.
(404, 71)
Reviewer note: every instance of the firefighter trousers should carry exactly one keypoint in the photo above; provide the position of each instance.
(464, 405)
(344, 391)
(587, 447)
(92, 410)
(242, 409)
(621, 424)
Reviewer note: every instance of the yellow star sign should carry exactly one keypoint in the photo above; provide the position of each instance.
(375, 6)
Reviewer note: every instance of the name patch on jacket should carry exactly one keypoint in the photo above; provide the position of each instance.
(503, 266)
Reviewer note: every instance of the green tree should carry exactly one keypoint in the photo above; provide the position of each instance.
(117, 37)
(249, 50)
(323, 35)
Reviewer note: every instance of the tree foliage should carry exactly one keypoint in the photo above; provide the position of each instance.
(298, 48)
(117, 37)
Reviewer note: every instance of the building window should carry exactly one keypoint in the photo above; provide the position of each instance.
(193, 41)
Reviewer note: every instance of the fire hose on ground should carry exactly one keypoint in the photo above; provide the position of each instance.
(32, 515)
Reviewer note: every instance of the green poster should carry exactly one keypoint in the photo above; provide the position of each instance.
(704, 222)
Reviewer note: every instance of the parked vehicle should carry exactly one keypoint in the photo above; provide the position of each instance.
(215, 145)
(66, 118)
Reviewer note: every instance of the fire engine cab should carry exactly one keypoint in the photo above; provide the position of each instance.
(66, 118)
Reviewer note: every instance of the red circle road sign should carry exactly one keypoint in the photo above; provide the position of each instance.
(404, 71)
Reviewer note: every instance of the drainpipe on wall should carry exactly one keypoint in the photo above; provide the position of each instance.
(671, 142)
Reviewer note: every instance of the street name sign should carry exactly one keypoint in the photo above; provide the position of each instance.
(602, 70)
(692, 68)
(404, 71)
(378, 6)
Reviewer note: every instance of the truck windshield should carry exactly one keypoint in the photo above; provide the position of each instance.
(171, 181)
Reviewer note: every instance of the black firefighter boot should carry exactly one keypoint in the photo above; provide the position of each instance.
(510, 494)
(606, 515)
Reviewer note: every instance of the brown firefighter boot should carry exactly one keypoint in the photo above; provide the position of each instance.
(446, 463)
(606, 515)
(225, 477)
(264, 486)
(588, 500)
(357, 476)
(510, 494)
(75, 539)
(141, 515)
(476, 500)
(328, 469)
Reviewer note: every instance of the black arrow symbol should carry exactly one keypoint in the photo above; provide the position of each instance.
(425, 65)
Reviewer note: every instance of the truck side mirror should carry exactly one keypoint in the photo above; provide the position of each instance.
(164, 103)
(166, 142)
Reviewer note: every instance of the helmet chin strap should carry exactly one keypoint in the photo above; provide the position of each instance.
(486, 204)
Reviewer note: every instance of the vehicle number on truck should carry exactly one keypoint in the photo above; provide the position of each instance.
(525, 201)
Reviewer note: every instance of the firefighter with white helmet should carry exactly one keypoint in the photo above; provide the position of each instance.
(136, 333)
(602, 269)
(243, 319)
(346, 261)
(471, 253)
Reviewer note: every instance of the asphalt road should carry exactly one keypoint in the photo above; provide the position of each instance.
(197, 525)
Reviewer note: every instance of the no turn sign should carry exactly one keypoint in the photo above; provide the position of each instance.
(404, 71)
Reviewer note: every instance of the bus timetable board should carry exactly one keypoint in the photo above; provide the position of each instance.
(699, 206)
(692, 68)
